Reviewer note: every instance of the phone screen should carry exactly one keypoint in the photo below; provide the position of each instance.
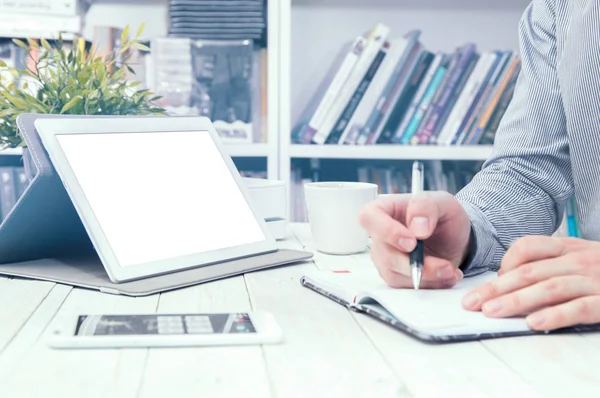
(167, 324)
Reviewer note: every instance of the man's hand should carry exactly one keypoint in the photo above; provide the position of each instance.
(554, 280)
(396, 222)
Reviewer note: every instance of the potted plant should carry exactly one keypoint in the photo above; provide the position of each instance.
(72, 81)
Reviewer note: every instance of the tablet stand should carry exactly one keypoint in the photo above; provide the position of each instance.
(43, 237)
(43, 222)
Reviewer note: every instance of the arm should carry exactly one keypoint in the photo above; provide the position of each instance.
(522, 189)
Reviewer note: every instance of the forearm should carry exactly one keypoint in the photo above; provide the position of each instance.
(505, 204)
(521, 190)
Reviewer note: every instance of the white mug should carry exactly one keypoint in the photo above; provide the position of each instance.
(333, 209)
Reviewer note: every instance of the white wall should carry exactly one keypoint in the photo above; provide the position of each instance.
(320, 27)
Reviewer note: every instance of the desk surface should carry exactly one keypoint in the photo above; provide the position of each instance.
(329, 351)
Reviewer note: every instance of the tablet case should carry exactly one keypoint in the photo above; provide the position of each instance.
(43, 237)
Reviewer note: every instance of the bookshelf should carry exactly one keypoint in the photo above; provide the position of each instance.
(154, 13)
(315, 31)
(391, 152)
(303, 39)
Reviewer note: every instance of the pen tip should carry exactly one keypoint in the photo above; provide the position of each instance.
(416, 277)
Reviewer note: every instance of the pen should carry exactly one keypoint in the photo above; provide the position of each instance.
(416, 256)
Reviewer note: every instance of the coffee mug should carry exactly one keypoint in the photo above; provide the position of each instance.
(333, 209)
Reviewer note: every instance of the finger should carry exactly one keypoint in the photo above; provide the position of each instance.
(546, 293)
(535, 248)
(388, 258)
(520, 278)
(377, 218)
(422, 214)
(581, 311)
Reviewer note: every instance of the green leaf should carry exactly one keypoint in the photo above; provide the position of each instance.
(33, 43)
(125, 34)
(46, 45)
(140, 46)
(140, 29)
(7, 112)
(14, 100)
(21, 44)
(72, 103)
(2, 64)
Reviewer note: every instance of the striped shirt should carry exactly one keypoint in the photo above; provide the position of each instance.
(547, 147)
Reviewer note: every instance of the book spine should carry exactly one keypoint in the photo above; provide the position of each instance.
(332, 92)
(414, 124)
(325, 293)
(490, 131)
(375, 90)
(399, 88)
(491, 105)
(418, 97)
(459, 89)
(466, 98)
(342, 122)
(382, 104)
(375, 41)
(419, 136)
(404, 99)
(481, 96)
(461, 68)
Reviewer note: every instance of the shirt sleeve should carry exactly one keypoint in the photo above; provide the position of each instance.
(522, 188)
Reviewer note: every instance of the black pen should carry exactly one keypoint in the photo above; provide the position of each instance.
(416, 256)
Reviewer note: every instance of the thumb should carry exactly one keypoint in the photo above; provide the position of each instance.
(422, 214)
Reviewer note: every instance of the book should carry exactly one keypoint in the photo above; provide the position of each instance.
(430, 315)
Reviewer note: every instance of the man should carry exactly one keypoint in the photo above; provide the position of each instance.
(547, 148)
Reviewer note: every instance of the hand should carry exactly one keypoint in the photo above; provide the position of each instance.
(395, 222)
(554, 280)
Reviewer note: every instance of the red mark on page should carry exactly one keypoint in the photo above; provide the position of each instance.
(341, 271)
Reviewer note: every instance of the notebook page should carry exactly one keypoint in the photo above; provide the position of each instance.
(440, 312)
(347, 284)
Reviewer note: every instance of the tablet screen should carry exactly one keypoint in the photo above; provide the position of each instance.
(160, 195)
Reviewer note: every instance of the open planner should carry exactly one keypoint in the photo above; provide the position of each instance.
(429, 315)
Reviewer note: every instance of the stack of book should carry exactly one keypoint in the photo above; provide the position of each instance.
(385, 90)
(217, 19)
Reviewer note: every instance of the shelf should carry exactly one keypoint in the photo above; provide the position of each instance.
(235, 150)
(392, 152)
(417, 4)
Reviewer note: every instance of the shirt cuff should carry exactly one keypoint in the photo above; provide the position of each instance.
(482, 244)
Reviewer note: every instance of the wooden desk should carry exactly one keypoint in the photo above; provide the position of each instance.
(329, 351)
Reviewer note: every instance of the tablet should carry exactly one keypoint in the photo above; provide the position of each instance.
(155, 194)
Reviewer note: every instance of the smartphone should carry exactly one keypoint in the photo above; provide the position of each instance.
(164, 330)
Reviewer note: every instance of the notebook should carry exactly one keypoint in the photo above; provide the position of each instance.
(435, 316)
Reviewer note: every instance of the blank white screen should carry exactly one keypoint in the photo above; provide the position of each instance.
(160, 195)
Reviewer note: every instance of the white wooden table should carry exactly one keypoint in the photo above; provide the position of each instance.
(328, 350)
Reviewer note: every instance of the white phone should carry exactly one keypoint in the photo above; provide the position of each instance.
(164, 330)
